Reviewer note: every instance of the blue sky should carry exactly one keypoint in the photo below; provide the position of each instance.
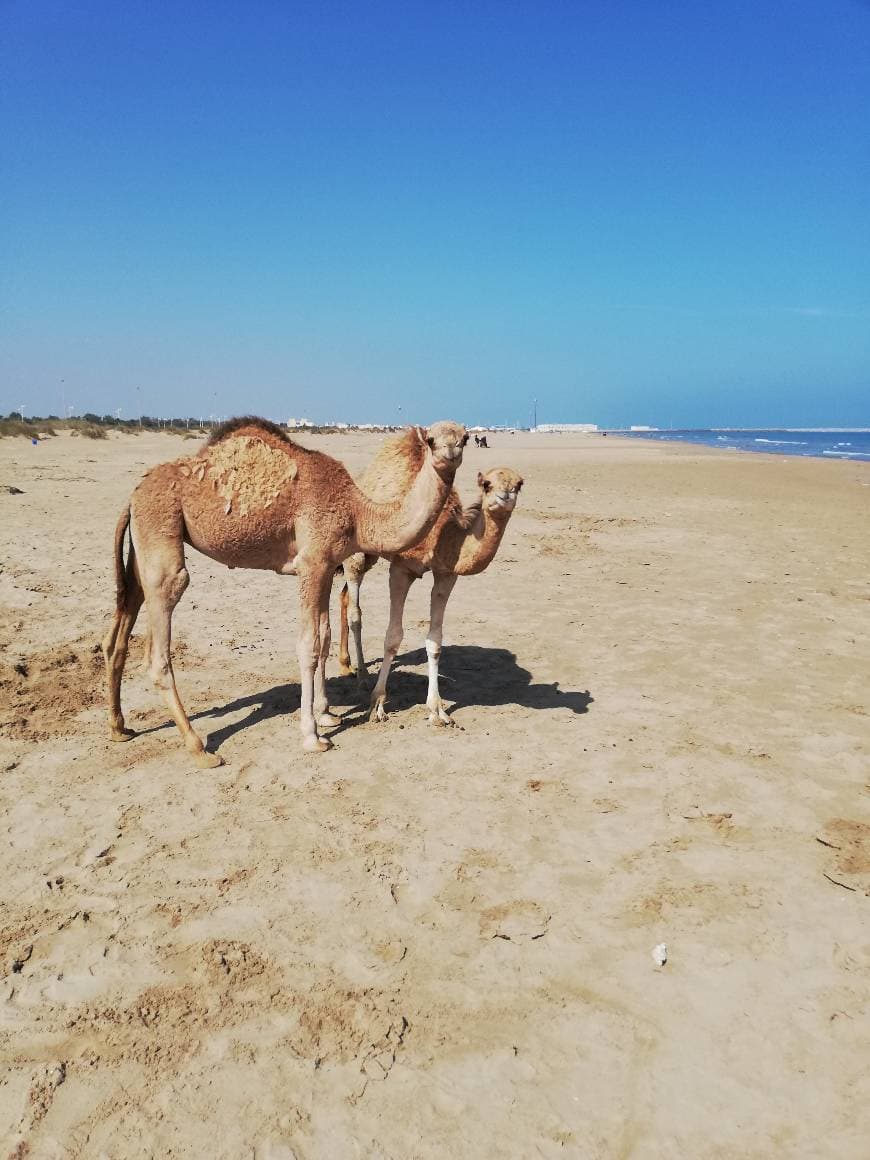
(635, 212)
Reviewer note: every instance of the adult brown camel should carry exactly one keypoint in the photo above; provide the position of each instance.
(462, 542)
(252, 498)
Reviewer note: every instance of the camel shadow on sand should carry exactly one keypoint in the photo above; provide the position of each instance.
(469, 676)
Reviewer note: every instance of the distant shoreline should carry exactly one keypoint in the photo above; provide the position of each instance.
(850, 443)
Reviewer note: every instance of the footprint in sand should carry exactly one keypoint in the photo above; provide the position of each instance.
(519, 921)
(851, 841)
(67, 964)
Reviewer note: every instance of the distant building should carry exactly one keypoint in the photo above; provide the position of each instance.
(641, 427)
(568, 428)
(299, 423)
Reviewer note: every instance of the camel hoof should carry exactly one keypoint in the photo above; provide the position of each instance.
(206, 760)
(377, 713)
(345, 670)
(121, 734)
(316, 744)
(441, 722)
(328, 721)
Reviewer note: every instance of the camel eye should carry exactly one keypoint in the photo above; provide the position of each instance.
(431, 442)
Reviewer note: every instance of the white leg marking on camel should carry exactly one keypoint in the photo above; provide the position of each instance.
(441, 589)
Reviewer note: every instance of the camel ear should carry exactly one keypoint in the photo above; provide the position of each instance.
(421, 433)
(520, 483)
(483, 482)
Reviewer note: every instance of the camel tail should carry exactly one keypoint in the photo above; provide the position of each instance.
(120, 568)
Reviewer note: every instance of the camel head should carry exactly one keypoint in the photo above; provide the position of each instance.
(500, 487)
(446, 441)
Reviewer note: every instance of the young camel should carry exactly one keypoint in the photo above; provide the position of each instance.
(461, 543)
(252, 498)
(388, 476)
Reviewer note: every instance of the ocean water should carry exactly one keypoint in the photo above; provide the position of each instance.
(827, 444)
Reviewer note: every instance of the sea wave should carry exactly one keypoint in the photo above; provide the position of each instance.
(829, 443)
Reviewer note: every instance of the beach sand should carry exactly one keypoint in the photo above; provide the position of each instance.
(438, 942)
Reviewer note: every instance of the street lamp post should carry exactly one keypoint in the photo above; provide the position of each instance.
(534, 414)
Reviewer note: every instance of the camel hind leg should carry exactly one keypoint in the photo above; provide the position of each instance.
(115, 644)
(354, 619)
(164, 580)
(400, 585)
(355, 568)
(343, 652)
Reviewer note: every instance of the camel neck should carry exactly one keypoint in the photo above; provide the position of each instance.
(388, 528)
(481, 543)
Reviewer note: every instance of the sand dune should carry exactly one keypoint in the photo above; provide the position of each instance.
(432, 943)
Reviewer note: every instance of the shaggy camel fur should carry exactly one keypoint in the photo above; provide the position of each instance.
(462, 542)
(252, 498)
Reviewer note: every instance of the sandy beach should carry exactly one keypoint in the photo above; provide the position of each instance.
(433, 943)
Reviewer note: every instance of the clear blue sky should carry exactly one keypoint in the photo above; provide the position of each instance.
(636, 212)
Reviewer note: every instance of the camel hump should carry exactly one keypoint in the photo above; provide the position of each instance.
(247, 471)
(249, 424)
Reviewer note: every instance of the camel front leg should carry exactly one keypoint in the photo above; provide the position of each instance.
(314, 587)
(441, 589)
(324, 718)
(400, 585)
